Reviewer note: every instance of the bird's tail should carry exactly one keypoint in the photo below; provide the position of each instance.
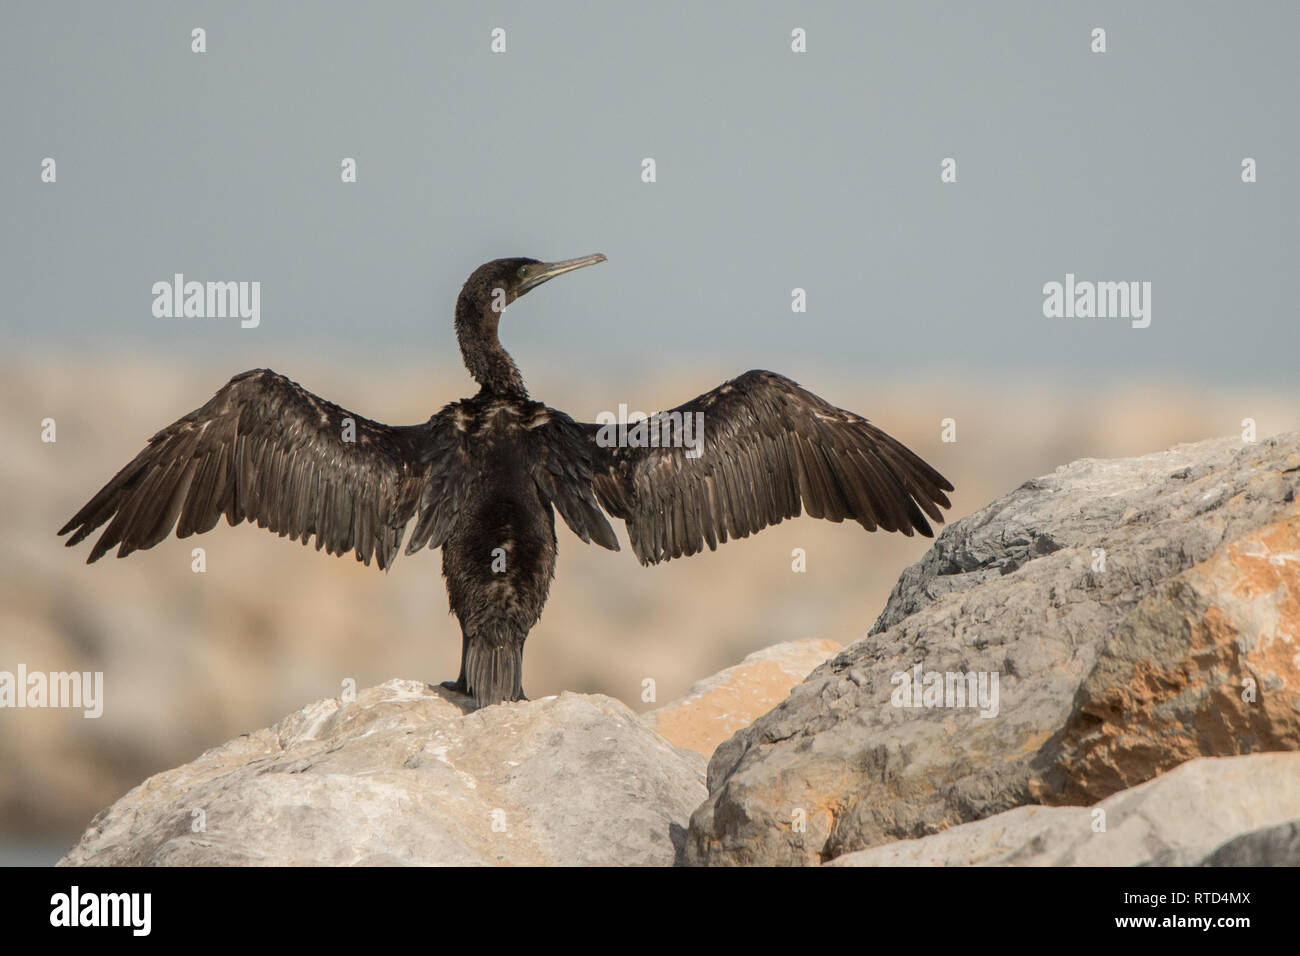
(494, 667)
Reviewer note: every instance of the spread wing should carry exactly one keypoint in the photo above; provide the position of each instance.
(768, 447)
(265, 449)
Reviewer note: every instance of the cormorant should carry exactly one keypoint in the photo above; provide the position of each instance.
(480, 478)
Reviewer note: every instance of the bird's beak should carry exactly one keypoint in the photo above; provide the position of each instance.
(549, 270)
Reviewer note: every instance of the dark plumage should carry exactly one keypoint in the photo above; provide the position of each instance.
(483, 477)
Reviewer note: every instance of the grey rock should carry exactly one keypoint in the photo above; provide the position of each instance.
(1174, 820)
(405, 776)
(1017, 590)
(1268, 846)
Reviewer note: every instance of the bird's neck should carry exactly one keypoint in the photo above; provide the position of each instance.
(488, 362)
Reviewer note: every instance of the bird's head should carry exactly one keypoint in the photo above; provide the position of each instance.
(494, 285)
(488, 290)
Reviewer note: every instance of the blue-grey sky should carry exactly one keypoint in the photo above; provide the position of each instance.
(775, 170)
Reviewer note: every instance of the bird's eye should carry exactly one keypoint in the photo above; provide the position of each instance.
(523, 272)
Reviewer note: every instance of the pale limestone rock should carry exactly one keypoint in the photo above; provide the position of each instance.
(404, 775)
(1196, 813)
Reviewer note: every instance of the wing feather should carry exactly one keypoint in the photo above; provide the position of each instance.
(267, 451)
(771, 450)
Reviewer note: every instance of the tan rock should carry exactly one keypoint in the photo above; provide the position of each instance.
(716, 707)
(1207, 666)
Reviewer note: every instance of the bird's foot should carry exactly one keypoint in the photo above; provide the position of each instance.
(460, 687)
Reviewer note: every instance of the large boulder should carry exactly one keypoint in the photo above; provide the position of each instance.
(405, 774)
(1119, 617)
(1215, 811)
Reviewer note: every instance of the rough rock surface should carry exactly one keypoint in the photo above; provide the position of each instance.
(1183, 643)
(404, 775)
(1269, 846)
(716, 707)
(1205, 811)
(1202, 667)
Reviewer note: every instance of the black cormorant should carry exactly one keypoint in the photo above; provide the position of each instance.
(480, 478)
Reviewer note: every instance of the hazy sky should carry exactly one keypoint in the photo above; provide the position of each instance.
(775, 170)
